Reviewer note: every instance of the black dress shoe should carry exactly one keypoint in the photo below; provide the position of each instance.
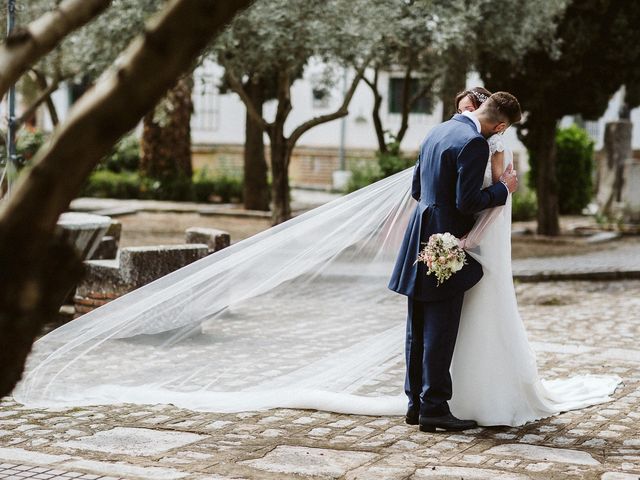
(412, 417)
(447, 422)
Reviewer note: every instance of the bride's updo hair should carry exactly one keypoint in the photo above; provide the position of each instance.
(477, 96)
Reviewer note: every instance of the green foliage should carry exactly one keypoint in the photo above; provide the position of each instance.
(176, 188)
(363, 173)
(28, 142)
(388, 163)
(392, 161)
(524, 205)
(574, 168)
(125, 156)
(223, 187)
(204, 187)
(108, 184)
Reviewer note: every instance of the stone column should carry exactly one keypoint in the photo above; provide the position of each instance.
(613, 180)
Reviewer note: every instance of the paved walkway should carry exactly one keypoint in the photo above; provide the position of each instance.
(574, 327)
(300, 200)
(616, 260)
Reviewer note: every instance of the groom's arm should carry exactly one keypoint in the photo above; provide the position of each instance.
(471, 164)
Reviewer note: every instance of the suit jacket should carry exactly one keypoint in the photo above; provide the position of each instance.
(447, 182)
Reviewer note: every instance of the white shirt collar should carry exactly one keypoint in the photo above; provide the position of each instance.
(469, 114)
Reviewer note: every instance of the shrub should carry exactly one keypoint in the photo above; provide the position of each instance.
(393, 162)
(222, 187)
(363, 173)
(524, 205)
(387, 164)
(125, 156)
(108, 184)
(574, 169)
(28, 142)
(177, 189)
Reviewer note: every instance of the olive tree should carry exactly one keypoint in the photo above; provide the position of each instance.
(36, 269)
(280, 38)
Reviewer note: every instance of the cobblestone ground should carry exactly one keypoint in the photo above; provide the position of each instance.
(575, 327)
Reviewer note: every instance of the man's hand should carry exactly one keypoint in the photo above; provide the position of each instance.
(510, 179)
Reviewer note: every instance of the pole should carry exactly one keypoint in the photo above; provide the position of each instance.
(11, 117)
(343, 127)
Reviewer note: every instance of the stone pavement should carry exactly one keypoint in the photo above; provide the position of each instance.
(615, 260)
(301, 200)
(574, 327)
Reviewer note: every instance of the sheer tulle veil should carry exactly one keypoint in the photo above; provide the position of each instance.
(300, 316)
(296, 316)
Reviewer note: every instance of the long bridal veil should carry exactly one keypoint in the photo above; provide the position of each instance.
(297, 316)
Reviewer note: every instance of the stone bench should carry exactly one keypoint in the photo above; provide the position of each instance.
(106, 280)
(214, 239)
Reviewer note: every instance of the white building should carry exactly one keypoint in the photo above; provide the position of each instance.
(218, 124)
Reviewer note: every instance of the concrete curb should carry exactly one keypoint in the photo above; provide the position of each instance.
(591, 275)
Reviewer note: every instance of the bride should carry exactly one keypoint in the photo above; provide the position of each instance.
(494, 372)
(299, 316)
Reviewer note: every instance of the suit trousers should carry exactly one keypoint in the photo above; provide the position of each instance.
(432, 328)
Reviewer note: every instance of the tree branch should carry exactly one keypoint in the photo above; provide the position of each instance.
(340, 112)
(284, 97)
(168, 48)
(375, 113)
(406, 100)
(171, 42)
(45, 96)
(252, 110)
(27, 45)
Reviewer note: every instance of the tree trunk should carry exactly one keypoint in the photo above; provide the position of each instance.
(375, 113)
(453, 82)
(280, 155)
(166, 141)
(36, 271)
(36, 275)
(256, 185)
(541, 141)
(53, 112)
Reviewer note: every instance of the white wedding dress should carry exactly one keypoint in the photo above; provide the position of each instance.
(300, 316)
(494, 371)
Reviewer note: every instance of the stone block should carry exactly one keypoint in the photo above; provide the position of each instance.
(142, 265)
(107, 249)
(106, 280)
(214, 239)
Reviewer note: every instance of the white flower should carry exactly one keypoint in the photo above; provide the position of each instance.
(457, 265)
(449, 241)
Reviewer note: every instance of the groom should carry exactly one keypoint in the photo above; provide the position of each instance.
(447, 182)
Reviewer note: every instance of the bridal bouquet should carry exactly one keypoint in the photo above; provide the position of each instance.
(443, 256)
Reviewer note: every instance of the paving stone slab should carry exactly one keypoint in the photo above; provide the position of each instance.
(317, 462)
(536, 452)
(449, 473)
(133, 441)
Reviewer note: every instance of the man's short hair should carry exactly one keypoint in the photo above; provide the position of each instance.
(503, 107)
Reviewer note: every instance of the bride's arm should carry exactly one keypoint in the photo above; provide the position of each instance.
(497, 166)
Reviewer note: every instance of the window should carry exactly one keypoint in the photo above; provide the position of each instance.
(321, 97)
(205, 104)
(396, 85)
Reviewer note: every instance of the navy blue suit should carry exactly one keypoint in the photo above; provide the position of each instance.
(447, 183)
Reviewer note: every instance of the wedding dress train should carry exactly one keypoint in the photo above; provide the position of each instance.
(494, 371)
(299, 316)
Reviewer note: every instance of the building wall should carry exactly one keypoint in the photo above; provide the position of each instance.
(218, 124)
(310, 167)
